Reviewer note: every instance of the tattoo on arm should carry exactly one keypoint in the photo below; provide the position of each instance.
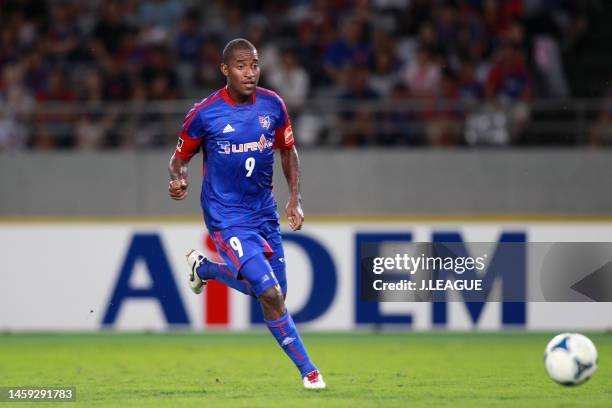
(177, 168)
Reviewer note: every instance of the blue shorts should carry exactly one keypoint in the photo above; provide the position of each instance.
(237, 245)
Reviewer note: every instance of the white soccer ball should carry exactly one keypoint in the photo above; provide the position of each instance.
(570, 358)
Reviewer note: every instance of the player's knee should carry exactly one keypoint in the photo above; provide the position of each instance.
(272, 294)
(272, 298)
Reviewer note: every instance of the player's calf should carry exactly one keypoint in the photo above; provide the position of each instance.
(284, 330)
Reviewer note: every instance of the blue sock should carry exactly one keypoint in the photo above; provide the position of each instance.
(221, 273)
(289, 339)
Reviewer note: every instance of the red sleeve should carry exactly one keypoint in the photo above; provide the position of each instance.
(191, 136)
(187, 146)
(283, 134)
(283, 138)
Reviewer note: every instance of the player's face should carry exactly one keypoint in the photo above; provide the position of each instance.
(242, 72)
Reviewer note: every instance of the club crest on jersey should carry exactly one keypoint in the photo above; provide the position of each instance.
(264, 121)
(225, 147)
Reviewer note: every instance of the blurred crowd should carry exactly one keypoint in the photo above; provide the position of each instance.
(108, 73)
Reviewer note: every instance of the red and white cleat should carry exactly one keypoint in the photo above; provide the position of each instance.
(314, 381)
(195, 259)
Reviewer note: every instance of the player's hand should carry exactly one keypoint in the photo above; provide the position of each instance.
(295, 215)
(177, 189)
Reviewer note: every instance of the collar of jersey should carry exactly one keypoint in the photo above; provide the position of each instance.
(227, 98)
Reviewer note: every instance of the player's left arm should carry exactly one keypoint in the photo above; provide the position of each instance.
(291, 168)
(284, 141)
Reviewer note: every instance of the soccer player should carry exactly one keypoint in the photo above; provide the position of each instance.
(238, 128)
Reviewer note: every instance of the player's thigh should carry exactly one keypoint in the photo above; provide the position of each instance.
(272, 235)
(238, 245)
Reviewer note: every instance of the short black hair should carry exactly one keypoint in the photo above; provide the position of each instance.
(236, 44)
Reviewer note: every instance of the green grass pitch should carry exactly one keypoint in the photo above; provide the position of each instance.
(249, 369)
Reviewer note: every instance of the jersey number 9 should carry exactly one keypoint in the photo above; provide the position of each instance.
(249, 165)
(235, 243)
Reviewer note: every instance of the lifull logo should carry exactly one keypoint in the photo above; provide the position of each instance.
(225, 147)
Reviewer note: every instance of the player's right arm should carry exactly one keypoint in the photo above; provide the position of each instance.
(188, 145)
(177, 188)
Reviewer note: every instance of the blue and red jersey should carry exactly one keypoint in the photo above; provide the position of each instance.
(238, 143)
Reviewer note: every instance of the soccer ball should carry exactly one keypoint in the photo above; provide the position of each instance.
(570, 358)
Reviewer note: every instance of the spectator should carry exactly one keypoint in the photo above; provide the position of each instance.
(350, 48)
(398, 124)
(92, 129)
(548, 65)
(316, 30)
(429, 38)
(131, 54)
(357, 124)
(36, 71)
(138, 50)
(509, 77)
(207, 74)
(422, 75)
(9, 50)
(159, 69)
(61, 39)
(498, 15)
(188, 43)
(417, 12)
(385, 75)
(13, 134)
(447, 26)
(91, 132)
(291, 81)
(93, 87)
(269, 57)
(137, 130)
(469, 89)
(56, 89)
(56, 124)
(442, 114)
(510, 84)
(15, 97)
(16, 105)
(116, 81)
(160, 88)
(189, 38)
(357, 84)
(110, 29)
(233, 25)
